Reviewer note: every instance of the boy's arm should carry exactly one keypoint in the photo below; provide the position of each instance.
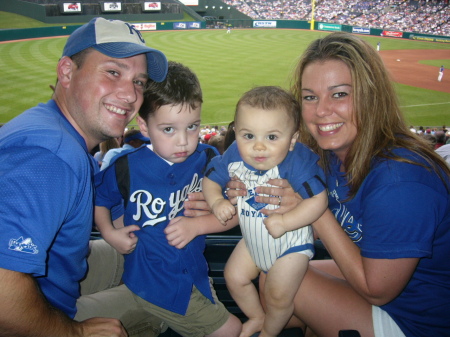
(222, 208)
(304, 214)
(182, 230)
(121, 239)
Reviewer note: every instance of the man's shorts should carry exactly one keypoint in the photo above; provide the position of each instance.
(202, 317)
(384, 325)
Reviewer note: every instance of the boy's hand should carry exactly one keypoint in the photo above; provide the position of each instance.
(180, 231)
(223, 210)
(122, 239)
(275, 226)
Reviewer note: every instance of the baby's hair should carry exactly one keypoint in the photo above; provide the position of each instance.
(270, 98)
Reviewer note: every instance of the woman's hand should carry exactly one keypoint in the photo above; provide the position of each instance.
(281, 193)
(235, 188)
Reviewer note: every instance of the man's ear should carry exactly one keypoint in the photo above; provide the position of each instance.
(64, 70)
(294, 140)
(142, 126)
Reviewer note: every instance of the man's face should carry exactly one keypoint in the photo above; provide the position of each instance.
(104, 95)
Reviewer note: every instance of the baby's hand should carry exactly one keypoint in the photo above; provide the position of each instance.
(223, 210)
(275, 226)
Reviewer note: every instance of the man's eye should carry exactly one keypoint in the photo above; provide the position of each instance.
(140, 83)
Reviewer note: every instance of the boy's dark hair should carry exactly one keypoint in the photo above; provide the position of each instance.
(181, 86)
(269, 98)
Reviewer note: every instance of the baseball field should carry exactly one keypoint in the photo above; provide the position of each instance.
(229, 64)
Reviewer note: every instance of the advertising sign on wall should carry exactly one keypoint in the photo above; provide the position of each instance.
(71, 7)
(112, 7)
(264, 24)
(360, 30)
(152, 6)
(145, 26)
(329, 26)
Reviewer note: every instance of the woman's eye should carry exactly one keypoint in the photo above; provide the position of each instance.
(309, 98)
(340, 94)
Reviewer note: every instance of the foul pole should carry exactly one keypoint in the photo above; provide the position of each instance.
(313, 5)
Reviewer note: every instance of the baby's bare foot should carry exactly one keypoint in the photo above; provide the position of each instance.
(251, 326)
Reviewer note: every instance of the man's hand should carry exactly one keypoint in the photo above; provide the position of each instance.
(99, 327)
(196, 205)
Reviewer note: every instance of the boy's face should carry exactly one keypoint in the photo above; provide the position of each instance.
(173, 131)
(264, 137)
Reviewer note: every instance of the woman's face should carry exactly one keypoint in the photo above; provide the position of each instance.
(327, 105)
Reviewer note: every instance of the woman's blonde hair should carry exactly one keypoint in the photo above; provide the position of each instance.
(380, 124)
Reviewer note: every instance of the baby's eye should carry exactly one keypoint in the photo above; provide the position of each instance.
(272, 137)
(168, 130)
(248, 136)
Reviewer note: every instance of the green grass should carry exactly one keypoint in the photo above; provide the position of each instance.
(226, 64)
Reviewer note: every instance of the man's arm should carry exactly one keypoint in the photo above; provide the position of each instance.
(26, 312)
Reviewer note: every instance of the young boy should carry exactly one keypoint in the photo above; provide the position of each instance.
(266, 147)
(165, 269)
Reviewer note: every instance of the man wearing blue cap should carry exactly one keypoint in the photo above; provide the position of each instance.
(46, 177)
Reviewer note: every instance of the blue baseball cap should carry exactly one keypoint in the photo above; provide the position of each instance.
(116, 39)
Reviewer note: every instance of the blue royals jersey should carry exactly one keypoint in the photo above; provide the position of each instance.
(403, 211)
(155, 192)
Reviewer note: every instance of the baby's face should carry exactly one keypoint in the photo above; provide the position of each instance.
(264, 137)
(173, 131)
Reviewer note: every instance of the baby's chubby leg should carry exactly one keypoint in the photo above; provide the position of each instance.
(282, 283)
(239, 272)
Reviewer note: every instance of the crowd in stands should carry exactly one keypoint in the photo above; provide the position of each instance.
(427, 16)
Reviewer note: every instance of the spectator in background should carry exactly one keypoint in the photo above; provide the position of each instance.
(132, 139)
(112, 143)
(218, 142)
(230, 136)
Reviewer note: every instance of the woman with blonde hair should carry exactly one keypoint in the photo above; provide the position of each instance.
(387, 227)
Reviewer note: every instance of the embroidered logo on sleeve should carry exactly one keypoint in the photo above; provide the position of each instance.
(23, 245)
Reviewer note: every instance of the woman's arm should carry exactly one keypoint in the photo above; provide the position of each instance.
(377, 280)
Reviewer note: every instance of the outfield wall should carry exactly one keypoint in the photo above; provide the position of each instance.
(146, 24)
